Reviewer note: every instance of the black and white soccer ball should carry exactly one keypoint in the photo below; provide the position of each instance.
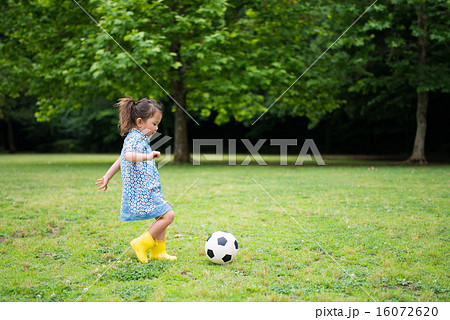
(221, 247)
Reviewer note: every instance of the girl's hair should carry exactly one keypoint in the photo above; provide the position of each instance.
(130, 111)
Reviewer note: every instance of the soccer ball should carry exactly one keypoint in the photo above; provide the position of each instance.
(221, 247)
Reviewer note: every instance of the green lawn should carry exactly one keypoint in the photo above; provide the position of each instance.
(348, 231)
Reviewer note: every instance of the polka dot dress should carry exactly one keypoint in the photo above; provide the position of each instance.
(141, 194)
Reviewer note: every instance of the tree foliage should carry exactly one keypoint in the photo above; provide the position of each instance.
(233, 55)
(233, 60)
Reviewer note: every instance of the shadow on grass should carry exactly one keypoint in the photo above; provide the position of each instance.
(329, 160)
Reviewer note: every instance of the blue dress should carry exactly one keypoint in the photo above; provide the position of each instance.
(141, 194)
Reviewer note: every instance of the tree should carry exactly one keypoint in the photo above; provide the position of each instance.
(403, 51)
(14, 64)
(74, 60)
(232, 57)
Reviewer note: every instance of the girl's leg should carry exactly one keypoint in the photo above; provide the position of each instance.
(158, 231)
(161, 236)
(158, 228)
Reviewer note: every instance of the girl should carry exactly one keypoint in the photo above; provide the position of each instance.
(142, 198)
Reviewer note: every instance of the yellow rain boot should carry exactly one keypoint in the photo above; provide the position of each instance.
(158, 252)
(141, 245)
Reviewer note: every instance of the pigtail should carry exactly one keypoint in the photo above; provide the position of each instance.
(130, 111)
(126, 121)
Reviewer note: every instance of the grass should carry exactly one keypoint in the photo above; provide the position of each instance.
(348, 231)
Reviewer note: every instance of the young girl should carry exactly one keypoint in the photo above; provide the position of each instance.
(142, 198)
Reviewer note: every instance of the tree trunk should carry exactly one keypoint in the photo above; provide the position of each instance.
(418, 154)
(2, 138)
(10, 137)
(181, 152)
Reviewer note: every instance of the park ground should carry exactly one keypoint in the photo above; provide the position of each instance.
(353, 230)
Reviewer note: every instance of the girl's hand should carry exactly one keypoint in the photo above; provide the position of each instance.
(103, 183)
(156, 154)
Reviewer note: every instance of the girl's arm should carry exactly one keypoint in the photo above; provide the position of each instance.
(139, 157)
(108, 175)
